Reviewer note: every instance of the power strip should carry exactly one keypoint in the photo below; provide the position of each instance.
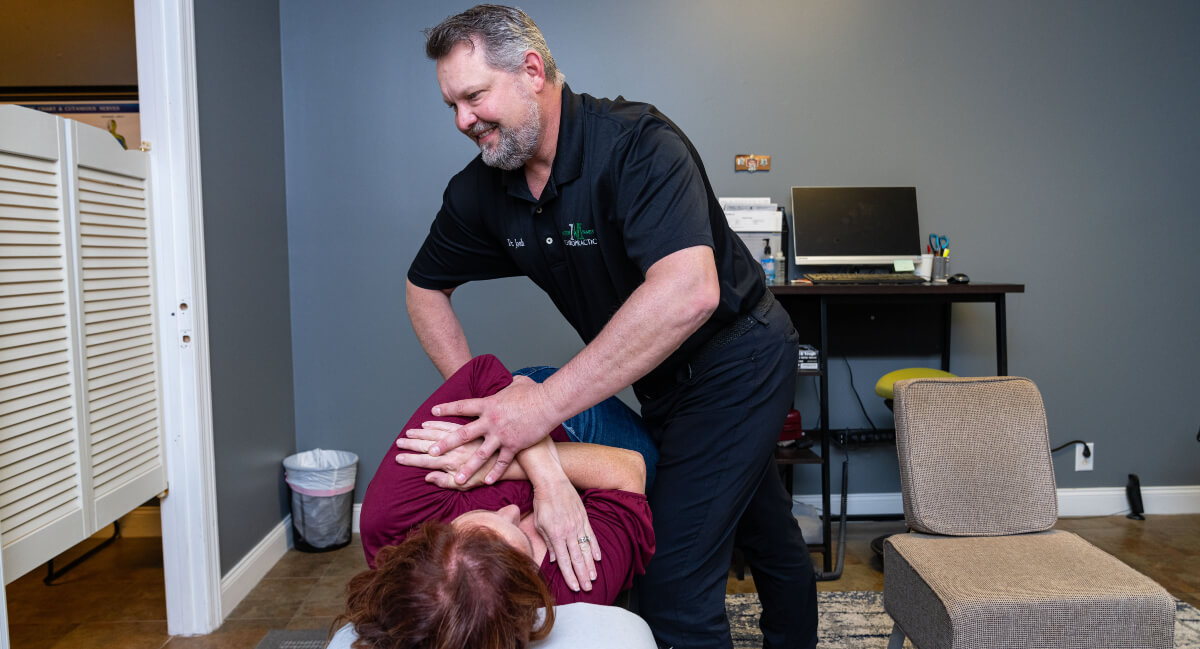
(863, 437)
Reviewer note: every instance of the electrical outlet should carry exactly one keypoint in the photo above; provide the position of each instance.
(1085, 463)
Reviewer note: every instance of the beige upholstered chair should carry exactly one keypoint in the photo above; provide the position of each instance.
(982, 566)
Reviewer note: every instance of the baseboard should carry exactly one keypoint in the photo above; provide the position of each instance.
(1111, 500)
(1099, 501)
(239, 581)
(142, 522)
(1096, 501)
(1102, 501)
(857, 504)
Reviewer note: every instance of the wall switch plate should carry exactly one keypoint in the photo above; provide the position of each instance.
(1085, 463)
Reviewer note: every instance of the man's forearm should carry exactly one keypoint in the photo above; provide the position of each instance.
(437, 328)
(679, 294)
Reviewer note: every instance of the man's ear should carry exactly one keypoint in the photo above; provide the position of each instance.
(534, 69)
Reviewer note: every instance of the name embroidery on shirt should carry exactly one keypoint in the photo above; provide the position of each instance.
(577, 235)
(516, 243)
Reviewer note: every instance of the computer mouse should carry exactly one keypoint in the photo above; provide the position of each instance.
(959, 278)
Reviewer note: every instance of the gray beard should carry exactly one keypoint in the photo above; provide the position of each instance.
(516, 145)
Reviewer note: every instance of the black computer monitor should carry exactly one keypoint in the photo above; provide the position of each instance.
(855, 226)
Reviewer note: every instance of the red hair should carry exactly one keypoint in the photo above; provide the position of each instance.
(449, 588)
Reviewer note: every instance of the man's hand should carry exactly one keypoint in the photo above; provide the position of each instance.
(563, 523)
(444, 467)
(509, 421)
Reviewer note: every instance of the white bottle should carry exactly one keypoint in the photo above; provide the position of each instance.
(768, 261)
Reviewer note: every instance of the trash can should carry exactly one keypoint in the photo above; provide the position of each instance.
(322, 483)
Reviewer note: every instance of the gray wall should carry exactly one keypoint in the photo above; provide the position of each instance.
(1055, 144)
(246, 265)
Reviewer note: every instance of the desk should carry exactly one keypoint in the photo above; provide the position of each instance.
(797, 298)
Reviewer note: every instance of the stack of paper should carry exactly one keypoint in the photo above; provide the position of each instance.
(752, 214)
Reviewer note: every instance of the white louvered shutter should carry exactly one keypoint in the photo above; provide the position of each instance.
(80, 443)
(41, 503)
(119, 366)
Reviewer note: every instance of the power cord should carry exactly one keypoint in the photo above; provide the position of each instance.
(856, 395)
(1087, 452)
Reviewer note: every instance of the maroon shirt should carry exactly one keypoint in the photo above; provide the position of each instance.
(398, 499)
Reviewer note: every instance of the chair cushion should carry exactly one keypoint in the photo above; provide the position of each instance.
(885, 385)
(1048, 589)
(974, 456)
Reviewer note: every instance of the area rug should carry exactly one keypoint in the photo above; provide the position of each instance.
(855, 619)
(848, 620)
(294, 639)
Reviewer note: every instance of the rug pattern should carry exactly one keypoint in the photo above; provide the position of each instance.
(294, 639)
(856, 620)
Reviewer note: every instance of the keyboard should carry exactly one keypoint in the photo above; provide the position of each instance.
(864, 278)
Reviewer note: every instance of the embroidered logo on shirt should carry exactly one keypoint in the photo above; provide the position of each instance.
(578, 236)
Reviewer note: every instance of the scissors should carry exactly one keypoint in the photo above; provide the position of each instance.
(938, 243)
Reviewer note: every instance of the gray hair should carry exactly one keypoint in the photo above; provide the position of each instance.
(506, 33)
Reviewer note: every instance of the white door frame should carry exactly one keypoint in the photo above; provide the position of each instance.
(166, 59)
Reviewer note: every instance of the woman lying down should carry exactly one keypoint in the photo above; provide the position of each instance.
(466, 566)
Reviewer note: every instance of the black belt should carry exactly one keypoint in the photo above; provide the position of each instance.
(660, 381)
(734, 330)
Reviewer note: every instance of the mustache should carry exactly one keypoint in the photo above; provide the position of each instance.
(480, 128)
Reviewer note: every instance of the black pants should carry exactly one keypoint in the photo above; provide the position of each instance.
(717, 485)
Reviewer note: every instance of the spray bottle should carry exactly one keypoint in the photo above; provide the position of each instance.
(768, 261)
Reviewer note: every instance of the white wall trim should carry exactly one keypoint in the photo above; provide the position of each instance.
(255, 565)
(1104, 501)
(169, 116)
(1099, 501)
(3, 611)
(143, 522)
(869, 503)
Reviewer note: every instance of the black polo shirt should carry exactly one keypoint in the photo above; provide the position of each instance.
(626, 189)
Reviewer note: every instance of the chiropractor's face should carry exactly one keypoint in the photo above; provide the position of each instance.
(504, 522)
(495, 108)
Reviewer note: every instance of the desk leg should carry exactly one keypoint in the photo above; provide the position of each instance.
(827, 517)
(946, 337)
(1001, 338)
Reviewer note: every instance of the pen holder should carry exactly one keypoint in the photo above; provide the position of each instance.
(941, 267)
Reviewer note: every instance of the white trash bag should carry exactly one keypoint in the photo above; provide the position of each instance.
(322, 483)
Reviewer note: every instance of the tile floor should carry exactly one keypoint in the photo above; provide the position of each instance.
(116, 598)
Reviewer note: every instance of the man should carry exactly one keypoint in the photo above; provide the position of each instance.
(606, 206)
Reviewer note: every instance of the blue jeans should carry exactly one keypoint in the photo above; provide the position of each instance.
(610, 422)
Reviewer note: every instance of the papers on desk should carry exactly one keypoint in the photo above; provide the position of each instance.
(746, 203)
(752, 214)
